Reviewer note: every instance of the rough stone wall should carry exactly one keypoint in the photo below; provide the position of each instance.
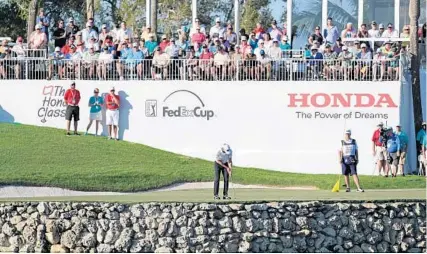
(185, 227)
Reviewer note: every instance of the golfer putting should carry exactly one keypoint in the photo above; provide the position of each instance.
(223, 164)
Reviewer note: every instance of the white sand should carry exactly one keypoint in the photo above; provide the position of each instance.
(27, 191)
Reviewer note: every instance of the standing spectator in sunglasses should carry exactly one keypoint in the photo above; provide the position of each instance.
(316, 36)
(59, 35)
(96, 103)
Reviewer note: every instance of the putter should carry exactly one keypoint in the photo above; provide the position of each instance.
(232, 186)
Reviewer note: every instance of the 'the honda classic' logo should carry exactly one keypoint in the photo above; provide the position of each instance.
(53, 104)
(322, 100)
(193, 108)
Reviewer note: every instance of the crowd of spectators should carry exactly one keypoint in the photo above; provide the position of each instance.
(118, 52)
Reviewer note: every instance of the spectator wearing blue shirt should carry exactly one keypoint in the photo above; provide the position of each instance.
(393, 151)
(285, 47)
(151, 45)
(421, 135)
(253, 42)
(134, 59)
(96, 103)
(44, 21)
(403, 138)
(330, 33)
(124, 52)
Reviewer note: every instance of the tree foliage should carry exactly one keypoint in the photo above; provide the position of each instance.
(250, 16)
(15, 24)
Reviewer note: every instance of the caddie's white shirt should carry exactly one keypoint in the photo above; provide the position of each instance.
(224, 157)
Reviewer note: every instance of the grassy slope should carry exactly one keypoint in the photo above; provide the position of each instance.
(46, 157)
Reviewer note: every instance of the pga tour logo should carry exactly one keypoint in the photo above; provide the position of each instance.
(53, 104)
(197, 111)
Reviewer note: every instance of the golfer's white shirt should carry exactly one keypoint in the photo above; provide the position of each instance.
(224, 157)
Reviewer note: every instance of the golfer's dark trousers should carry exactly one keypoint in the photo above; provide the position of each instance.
(218, 170)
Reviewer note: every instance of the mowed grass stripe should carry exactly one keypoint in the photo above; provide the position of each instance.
(39, 156)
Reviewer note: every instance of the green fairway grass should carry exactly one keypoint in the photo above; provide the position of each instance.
(244, 195)
(38, 156)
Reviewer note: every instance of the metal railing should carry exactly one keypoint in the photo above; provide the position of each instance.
(207, 70)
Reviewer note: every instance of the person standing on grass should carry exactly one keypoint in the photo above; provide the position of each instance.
(72, 99)
(113, 103)
(223, 164)
(403, 138)
(349, 158)
(379, 150)
(95, 103)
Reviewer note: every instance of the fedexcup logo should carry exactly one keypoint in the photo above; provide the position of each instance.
(195, 108)
(53, 104)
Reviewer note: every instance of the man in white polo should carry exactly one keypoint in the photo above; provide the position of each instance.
(223, 164)
(113, 103)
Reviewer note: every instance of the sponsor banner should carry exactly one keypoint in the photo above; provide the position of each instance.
(289, 126)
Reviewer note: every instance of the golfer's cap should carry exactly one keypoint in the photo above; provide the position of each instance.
(225, 148)
(380, 124)
(57, 49)
(243, 38)
(363, 45)
(348, 132)
(424, 123)
(381, 26)
(344, 48)
(217, 20)
(112, 88)
(135, 44)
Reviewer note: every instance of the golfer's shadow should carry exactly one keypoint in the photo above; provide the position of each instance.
(124, 110)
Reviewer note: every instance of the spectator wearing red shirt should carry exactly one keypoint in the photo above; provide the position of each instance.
(164, 43)
(206, 62)
(198, 37)
(67, 48)
(258, 31)
(113, 103)
(379, 151)
(72, 99)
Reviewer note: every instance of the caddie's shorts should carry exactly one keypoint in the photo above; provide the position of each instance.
(393, 159)
(348, 169)
(72, 112)
(402, 158)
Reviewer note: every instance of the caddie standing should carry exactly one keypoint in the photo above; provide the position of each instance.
(349, 158)
(223, 164)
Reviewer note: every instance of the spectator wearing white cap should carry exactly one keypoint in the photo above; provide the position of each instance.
(113, 104)
(261, 46)
(223, 165)
(123, 32)
(88, 33)
(90, 58)
(217, 29)
(390, 32)
(56, 63)
(104, 33)
(345, 57)
(362, 66)
(59, 35)
(349, 158)
(284, 45)
(71, 28)
(38, 39)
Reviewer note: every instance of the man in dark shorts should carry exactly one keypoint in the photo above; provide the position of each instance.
(72, 99)
(349, 157)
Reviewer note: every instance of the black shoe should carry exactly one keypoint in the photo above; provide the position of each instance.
(226, 197)
(403, 174)
(216, 197)
(347, 190)
(68, 134)
(76, 133)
